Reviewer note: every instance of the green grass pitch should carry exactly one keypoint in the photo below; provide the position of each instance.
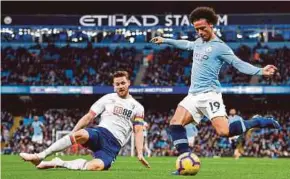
(128, 167)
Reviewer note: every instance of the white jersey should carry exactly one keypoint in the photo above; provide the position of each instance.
(118, 115)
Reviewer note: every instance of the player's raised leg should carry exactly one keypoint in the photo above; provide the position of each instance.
(224, 127)
(211, 104)
(79, 137)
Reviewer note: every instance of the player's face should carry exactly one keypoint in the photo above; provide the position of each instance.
(35, 118)
(203, 29)
(121, 85)
(232, 112)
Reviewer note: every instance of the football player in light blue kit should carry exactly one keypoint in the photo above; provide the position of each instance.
(204, 96)
(38, 129)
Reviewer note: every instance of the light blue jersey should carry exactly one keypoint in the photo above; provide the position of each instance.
(208, 58)
(37, 130)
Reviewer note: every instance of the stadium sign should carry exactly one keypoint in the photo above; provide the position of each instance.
(227, 89)
(141, 20)
(99, 21)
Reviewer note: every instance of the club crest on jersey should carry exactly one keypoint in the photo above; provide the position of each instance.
(208, 49)
(120, 111)
(133, 106)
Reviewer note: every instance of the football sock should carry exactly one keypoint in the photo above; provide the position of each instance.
(237, 127)
(59, 145)
(78, 164)
(179, 138)
(240, 126)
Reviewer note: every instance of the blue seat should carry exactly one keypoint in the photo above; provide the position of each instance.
(69, 73)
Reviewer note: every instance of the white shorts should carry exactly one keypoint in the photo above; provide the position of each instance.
(208, 104)
(37, 139)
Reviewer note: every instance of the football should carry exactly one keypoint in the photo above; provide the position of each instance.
(188, 164)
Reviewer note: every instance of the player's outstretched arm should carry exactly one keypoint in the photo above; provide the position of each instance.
(247, 68)
(182, 44)
(84, 121)
(139, 141)
(96, 109)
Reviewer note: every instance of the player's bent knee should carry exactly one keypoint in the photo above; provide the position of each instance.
(95, 168)
(181, 117)
(95, 165)
(221, 126)
(81, 136)
(224, 132)
(175, 121)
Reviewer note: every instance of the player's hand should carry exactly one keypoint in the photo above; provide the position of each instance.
(157, 40)
(143, 161)
(269, 70)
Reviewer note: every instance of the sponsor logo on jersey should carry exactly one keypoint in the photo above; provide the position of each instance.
(122, 112)
(200, 57)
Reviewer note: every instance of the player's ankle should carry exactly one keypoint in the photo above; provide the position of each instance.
(59, 162)
(41, 155)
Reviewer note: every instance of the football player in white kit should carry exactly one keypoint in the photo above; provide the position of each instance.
(120, 115)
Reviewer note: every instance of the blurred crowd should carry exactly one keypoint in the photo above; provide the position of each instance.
(53, 120)
(53, 65)
(6, 124)
(260, 143)
(64, 66)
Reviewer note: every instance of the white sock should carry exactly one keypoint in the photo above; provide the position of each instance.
(59, 145)
(78, 164)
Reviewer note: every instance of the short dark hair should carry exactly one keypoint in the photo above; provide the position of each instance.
(121, 74)
(203, 13)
